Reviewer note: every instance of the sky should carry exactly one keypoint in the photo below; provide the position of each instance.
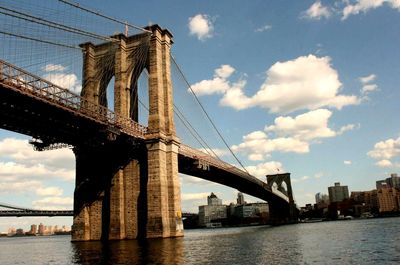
(306, 87)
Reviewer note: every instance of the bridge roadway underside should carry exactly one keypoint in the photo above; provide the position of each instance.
(279, 208)
(52, 124)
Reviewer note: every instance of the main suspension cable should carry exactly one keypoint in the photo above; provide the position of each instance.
(205, 112)
(103, 16)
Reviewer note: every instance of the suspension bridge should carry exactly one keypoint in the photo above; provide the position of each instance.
(7, 210)
(126, 119)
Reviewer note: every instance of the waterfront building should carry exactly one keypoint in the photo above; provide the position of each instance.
(338, 193)
(380, 184)
(11, 231)
(33, 230)
(257, 209)
(393, 181)
(388, 200)
(213, 200)
(19, 232)
(240, 199)
(321, 201)
(213, 211)
(41, 229)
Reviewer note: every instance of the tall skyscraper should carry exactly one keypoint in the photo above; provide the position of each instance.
(338, 193)
(240, 199)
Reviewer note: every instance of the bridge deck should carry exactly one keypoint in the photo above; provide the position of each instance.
(33, 86)
(10, 213)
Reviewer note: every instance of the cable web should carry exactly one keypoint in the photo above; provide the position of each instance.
(43, 37)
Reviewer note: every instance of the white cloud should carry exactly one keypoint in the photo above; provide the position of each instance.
(267, 168)
(347, 162)
(318, 175)
(366, 5)
(53, 68)
(289, 135)
(307, 126)
(49, 191)
(22, 152)
(201, 26)
(386, 149)
(385, 152)
(13, 187)
(217, 151)
(307, 82)
(56, 74)
(14, 171)
(192, 180)
(317, 11)
(384, 163)
(53, 203)
(258, 146)
(369, 88)
(218, 85)
(348, 127)
(194, 196)
(367, 79)
(23, 170)
(263, 28)
(67, 81)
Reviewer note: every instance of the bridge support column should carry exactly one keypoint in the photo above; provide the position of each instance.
(106, 199)
(163, 187)
(163, 191)
(88, 197)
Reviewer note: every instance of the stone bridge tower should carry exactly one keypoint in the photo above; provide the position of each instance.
(282, 213)
(129, 188)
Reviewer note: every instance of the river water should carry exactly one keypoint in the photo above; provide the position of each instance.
(368, 241)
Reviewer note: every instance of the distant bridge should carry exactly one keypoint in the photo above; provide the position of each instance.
(15, 211)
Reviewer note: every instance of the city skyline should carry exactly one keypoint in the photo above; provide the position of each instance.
(266, 61)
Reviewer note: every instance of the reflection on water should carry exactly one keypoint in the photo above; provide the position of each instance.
(372, 241)
(155, 251)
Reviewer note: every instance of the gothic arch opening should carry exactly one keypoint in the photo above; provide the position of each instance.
(108, 93)
(284, 186)
(139, 94)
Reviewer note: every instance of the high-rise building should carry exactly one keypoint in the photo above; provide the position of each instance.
(240, 199)
(33, 230)
(393, 181)
(213, 211)
(41, 229)
(338, 193)
(388, 200)
(213, 200)
(380, 184)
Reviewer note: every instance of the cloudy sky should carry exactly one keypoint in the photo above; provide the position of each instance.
(307, 87)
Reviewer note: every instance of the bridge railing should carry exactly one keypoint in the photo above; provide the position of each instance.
(34, 86)
(208, 159)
